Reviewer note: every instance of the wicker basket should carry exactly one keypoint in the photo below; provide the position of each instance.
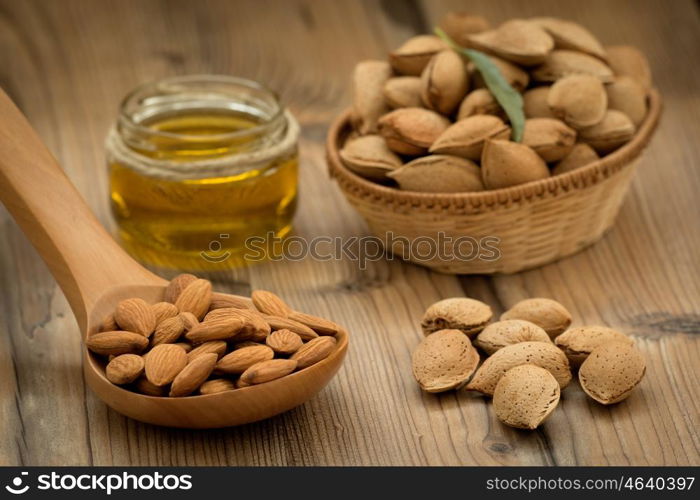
(534, 223)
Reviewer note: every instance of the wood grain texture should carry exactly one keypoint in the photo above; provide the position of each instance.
(68, 63)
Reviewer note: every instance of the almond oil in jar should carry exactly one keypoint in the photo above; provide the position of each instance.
(198, 167)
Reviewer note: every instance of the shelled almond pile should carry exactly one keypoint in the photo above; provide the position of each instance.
(430, 119)
(528, 357)
(201, 342)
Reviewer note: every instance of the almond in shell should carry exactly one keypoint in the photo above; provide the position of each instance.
(444, 360)
(216, 386)
(284, 342)
(543, 354)
(164, 362)
(266, 371)
(469, 316)
(460, 25)
(240, 360)
(626, 60)
(368, 80)
(506, 163)
(479, 102)
(525, 396)
(579, 100)
(116, 343)
(535, 103)
(466, 138)
(439, 174)
(135, 315)
(614, 130)
(444, 82)
(611, 372)
(314, 351)
(513, 74)
(411, 131)
(370, 157)
(195, 298)
(548, 314)
(548, 137)
(518, 41)
(561, 63)
(503, 333)
(177, 285)
(580, 156)
(578, 343)
(403, 92)
(629, 96)
(569, 35)
(193, 375)
(415, 54)
(124, 369)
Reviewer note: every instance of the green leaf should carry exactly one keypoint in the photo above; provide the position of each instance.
(510, 99)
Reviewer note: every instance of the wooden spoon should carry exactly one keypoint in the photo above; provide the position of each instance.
(95, 274)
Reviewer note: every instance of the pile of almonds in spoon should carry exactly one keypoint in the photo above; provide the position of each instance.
(201, 342)
(528, 357)
(425, 120)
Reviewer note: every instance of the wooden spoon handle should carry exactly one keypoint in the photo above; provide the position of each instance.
(81, 255)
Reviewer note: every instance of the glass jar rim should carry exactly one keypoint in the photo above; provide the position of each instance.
(133, 97)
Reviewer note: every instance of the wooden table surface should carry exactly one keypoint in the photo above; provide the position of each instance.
(68, 63)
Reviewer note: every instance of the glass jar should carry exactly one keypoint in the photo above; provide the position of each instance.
(199, 165)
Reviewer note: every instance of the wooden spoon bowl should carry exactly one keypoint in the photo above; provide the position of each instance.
(96, 274)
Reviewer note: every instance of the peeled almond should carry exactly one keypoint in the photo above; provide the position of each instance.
(403, 92)
(569, 35)
(629, 96)
(459, 25)
(514, 75)
(479, 102)
(548, 137)
(535, 103)
(411, 131)
(525, 396)
(503, 333)
(580, 156)
(413, 56)
(578, 343)
(548, 314)
(444, 82)
(506, 163)
(466, 137)
(613, 131)
(368, 81)
(543, 354)
(444, 360)
(518, 41)
(561, 63)
(439, 174)
(579, 100)
(370, 157)
(611, 372)
(469, 316)
(626, 60)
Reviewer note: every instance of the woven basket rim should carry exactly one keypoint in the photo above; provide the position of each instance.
(576, 179)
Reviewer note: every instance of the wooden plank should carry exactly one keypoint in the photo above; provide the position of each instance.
(642, 277)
